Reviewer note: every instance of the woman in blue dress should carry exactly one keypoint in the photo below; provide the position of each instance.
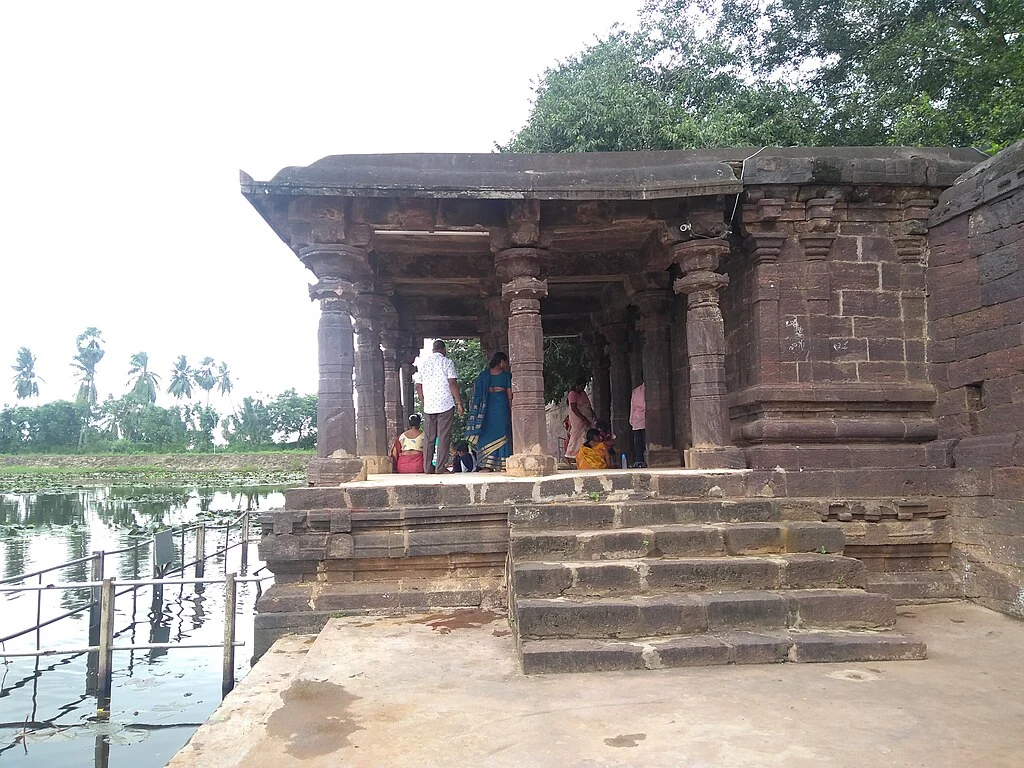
(489, 426)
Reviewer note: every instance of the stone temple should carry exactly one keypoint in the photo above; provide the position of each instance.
(830, 340)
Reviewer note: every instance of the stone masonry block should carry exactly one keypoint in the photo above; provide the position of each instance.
(813, 537)
(754, 538)
(340, 546)
(811, 571)
(745, 610)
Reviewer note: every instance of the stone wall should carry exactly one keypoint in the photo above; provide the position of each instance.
(976, 286)
(828, 327)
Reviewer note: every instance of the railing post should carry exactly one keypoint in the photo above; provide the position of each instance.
(106, 654)
(228, 667)
(39, 611)
(200, 550)
(92, 658)
(245, 543)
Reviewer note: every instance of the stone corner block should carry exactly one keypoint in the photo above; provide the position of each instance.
(335, 471)
(530, 465)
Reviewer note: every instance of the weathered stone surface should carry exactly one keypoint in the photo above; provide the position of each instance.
(841, 608)
(713, 574)
(809, 571)
(846, 646)
(814, 537)
(545, 656)
(695, 651)
(754, 539)
(745, 610)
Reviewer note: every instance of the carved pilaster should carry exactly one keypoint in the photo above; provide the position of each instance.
(705, 337)
(649, 294)
(524, 289)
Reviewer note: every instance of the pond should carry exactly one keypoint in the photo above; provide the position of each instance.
(48, 710)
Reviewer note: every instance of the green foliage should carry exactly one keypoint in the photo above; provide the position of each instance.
(293, 418)
(146, 383)
(204, 377)
(790, 72)
(55, 426)
(180, 386)
(90, 352)
(565, 360)
(26, 383)
(250, 425)
(469, 362)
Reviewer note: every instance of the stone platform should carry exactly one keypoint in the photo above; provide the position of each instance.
(400, 543)
(445, 689)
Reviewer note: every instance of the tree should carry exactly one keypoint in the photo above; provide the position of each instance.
(180, 386)
(251, 425)
(26, 382)
(896, 71)
(224, 384)
(146, 382)
(790, 72)
(293, 417)
(205, 378)
(565, 360)
(90, 352)
(469, 361)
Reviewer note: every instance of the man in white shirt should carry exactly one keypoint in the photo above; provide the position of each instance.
(438, 388)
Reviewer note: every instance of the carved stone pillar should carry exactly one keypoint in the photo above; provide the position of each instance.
(649, 294)
(594, 344)
(371, 422)
(394, 411)
(494, 325)
(620, 384)
(636, 357)
(705, 336)
(407, 357)
(521, 267)
(337, 460)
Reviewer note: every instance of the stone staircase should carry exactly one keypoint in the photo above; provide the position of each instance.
(673, 582)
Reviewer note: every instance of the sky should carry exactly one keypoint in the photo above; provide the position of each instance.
(125, 126)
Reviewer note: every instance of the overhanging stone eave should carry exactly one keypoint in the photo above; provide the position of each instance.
(256, 191)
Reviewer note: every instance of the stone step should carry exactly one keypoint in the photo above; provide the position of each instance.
(578, 655)
(699, 574)
(916, 586)
(677, 541)
(685, 614)
(582, 515)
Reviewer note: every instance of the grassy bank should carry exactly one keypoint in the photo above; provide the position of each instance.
(35, 473)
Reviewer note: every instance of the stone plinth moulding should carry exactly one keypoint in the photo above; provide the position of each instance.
(649, 294)
(372, 441)
(337, 460)
(521, 268)
(705, 341)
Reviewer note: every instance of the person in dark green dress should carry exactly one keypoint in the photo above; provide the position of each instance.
(489, 426)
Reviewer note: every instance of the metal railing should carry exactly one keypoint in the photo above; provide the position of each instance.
(103, 594)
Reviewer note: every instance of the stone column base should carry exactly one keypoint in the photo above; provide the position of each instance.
(377, 465)
(719, 457)
(530, 465)
(662, 457)
(333, 471)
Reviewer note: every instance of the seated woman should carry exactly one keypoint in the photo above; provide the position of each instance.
(407, 450)
(592, 454)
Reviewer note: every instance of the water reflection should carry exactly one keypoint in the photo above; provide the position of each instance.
(159, 695)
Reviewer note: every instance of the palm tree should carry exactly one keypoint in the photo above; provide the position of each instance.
(223, 379)
(181, 379)
(146, 382)
(205, 378)
(26, 383)
(90, 352)
(89, 355)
